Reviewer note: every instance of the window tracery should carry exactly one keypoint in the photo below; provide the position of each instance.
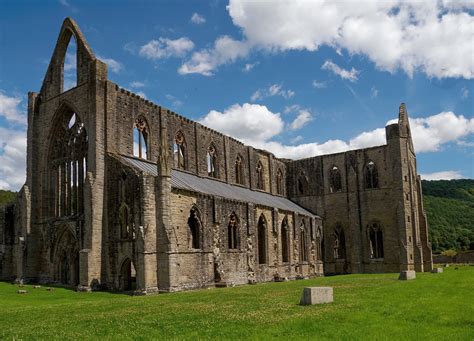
(335, 184)
(140, 138)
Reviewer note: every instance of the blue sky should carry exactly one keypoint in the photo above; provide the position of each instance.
(298, 78)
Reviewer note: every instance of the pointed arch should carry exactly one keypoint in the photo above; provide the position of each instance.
(212, 161)
(260, 176)
(195, 228)
(319, 245)
(239, 170)
(302, 184)
(262, 239)
(67, 164)
(279, 182)
(339, 242)
(141, 138)
(128, 277)
(66, 258)
(180, 151)
(371, 175)
(233, 240)
(303, 242)
(335, 182)
(375, 236)
(285, 241)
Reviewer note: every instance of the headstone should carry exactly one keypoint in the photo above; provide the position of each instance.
(316, 295)
(22, 291)
(407, 275)
(36, 286)
(437, 270)
(446, 265)
(49, 289)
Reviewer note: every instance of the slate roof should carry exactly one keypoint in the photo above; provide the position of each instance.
(194, 183)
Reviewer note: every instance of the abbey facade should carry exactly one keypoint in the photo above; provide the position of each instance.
(123, 194)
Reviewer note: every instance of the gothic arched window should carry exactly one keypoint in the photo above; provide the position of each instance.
(375, 241)
(279, 182)
(339, 243)
(319, 253)
(179, 151)
(194, 223)
(140, 138)
(212, 162)
(285, 242)
(67, 165)
(262, 240)
(302, 184)
(260, 176)
(371, 175)
(239, 170)
(335, 184)
(233, 232)
(303, 243)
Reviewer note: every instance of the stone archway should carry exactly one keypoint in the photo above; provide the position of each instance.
(66, 260)
(128, 277)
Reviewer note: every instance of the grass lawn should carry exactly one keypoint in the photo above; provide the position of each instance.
(432, 307)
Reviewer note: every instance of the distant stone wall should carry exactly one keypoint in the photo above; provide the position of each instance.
(461, 257)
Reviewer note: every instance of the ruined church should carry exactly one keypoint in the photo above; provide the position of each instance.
(123, 194)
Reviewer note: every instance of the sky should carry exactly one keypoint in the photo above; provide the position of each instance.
(299, 78)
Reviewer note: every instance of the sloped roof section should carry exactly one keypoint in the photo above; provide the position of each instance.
(193, 183)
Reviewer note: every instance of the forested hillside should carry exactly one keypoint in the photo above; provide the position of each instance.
(449, 205)
(6, 196)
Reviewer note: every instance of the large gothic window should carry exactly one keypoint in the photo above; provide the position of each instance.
(262, 240)
(302, 184)
(194, 224)
(233, 232)
(239, 170)
(212, 162)
(371, 175)
(279, 182)
(335, 184)
(285, 242)
(260, 176)
(303, 243)
(339, 243)
(67, 166)
(375, 241)
(140, 138)
(179, 151)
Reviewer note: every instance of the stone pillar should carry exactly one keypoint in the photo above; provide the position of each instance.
(146, 239)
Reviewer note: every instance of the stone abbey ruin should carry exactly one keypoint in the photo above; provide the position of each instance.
(123, 194)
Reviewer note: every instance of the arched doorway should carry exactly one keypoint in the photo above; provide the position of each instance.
(66, 260)
(128, 277)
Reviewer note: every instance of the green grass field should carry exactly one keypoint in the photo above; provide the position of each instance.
(434, 307)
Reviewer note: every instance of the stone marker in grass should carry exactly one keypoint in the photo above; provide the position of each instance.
(316, 295)
(407, 275)
(22, 291)
(437, 270)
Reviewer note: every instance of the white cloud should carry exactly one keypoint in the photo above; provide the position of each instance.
(113, 65)
(318, 85)
(70, 61)
(255, 125)
(12, 158)
(249, 122)
(374, 92)
(249, 67)
(343, 73)
(174, 101)
(225, 50)
(141, 94)
(445, 175)
(197, 19)
(137, 85)
(464, 93)
(273, 90)
(304, 116)
(291, 108)
(9, 109)
(166, 48)
(397, 34)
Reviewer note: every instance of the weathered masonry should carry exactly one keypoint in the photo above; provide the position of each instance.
(123, 194)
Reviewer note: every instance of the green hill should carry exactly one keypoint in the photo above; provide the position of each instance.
(449, 205)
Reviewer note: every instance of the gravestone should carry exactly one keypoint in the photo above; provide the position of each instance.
(22, 292)
(407, 275)
(317, 295)
(437, 270)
